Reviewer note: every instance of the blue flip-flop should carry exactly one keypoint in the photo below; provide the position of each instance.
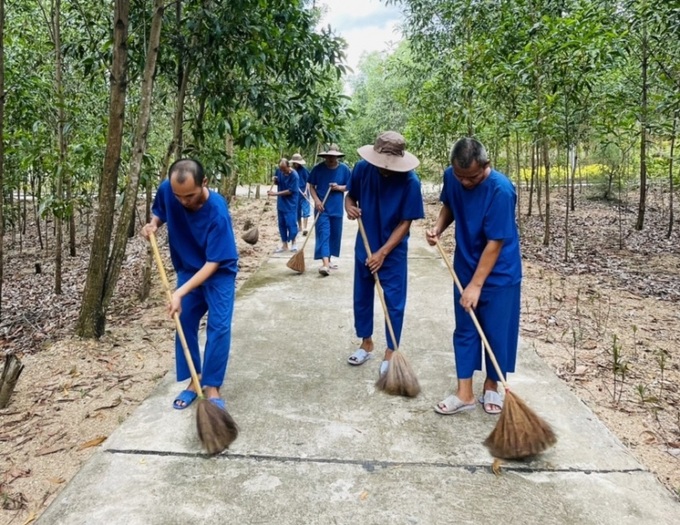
(185, 396)
(218, 402)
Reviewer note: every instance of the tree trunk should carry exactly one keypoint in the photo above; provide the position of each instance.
(643, 133)
(61, 145)
(670, 177)
(91, 317)
(2, 144)
(566, 215)
(546, 163)
(141, 130)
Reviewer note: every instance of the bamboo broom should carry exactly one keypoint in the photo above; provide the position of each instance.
(216, 428)
(297, 261)
(400, 379)
(520, 432)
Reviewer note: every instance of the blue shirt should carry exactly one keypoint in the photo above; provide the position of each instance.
(303, 173)
(483, 213)
(321, 178)
(287, 203)
(384, 203)
(197, 237)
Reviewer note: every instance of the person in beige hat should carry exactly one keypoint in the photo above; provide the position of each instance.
(303, 208)
(384, 191)
(333, 174)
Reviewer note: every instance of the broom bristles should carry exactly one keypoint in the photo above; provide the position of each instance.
(297, 262)
(216, 428)
(400, 379)
(520, 432)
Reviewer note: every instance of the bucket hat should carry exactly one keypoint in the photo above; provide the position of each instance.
(332, 151)
(389, 152)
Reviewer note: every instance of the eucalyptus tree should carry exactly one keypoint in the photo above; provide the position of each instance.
(2, 145)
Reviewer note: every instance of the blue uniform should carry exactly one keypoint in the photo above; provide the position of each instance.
(303, 204)
(486, 212)
(197, 237)
(286, 205)
(329, 223)
(384, 203)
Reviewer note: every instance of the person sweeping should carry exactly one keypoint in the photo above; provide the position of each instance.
(204, 255)
(487, 260)
(384, 193)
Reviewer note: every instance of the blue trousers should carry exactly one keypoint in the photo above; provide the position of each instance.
(328, 236)
(498, 315)
(393, 279)
(216, 297)
(288, 229)
(303, 208)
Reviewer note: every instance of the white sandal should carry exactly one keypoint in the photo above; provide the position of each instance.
(452, 405)
(359, 357)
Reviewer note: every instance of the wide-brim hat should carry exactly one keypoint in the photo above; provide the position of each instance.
(389, 152)
(297, 159)
(332, 151)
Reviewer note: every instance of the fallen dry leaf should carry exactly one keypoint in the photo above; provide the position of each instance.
(56, 481)
(30, 518)
(363, 496)
(92, 443)
(50, 450)
(113, 404)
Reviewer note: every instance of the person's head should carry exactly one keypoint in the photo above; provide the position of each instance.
(284, 166)
(188, 183)
(388, 154)
(470, 162)
(297, 161)
(332, 156)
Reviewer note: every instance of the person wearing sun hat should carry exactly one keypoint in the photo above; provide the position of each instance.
(303, 209)
(333, 174)
(385, 192)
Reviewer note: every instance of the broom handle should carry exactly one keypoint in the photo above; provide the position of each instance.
(311, 228)
(378, 286)
(180, 331)
(474, 318)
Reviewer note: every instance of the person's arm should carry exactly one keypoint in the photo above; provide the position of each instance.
(444, 220)
(202, 275)
(487, 261)
(151, 227)
(376, 260)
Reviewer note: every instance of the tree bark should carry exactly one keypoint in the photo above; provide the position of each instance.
(546, 163)
(671, 189)
(61, 146)
(91, 318)
(141, 130)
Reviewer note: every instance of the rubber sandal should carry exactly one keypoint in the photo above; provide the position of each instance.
(359, 357)
(383, 367)
(452, 405)
(324, 271)
(218, 402)
(492, 397)
(185, 396)
(333, 266)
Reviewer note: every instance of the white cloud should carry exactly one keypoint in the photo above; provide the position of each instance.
(366, 25)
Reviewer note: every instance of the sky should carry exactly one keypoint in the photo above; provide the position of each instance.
(366, 25)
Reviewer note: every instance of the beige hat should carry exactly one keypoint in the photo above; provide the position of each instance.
(297, 159)
(332, 151)
(389, 152)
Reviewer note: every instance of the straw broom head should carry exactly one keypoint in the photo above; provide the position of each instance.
(520, 432)
(297, 262)
(400, 379)
(216, 428)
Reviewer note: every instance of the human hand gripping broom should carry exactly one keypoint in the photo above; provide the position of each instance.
(216, 428)
(520, 432)
(400, 379)
(297, 261)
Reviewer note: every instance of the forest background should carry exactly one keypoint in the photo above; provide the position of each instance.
(578, 102)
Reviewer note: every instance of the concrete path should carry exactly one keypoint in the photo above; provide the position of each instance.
(319, 445)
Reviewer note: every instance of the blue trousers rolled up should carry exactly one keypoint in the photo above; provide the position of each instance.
(328, 236)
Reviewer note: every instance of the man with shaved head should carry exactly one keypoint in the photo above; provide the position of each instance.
(203, 252)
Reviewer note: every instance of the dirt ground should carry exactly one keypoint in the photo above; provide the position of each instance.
(606, 319)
